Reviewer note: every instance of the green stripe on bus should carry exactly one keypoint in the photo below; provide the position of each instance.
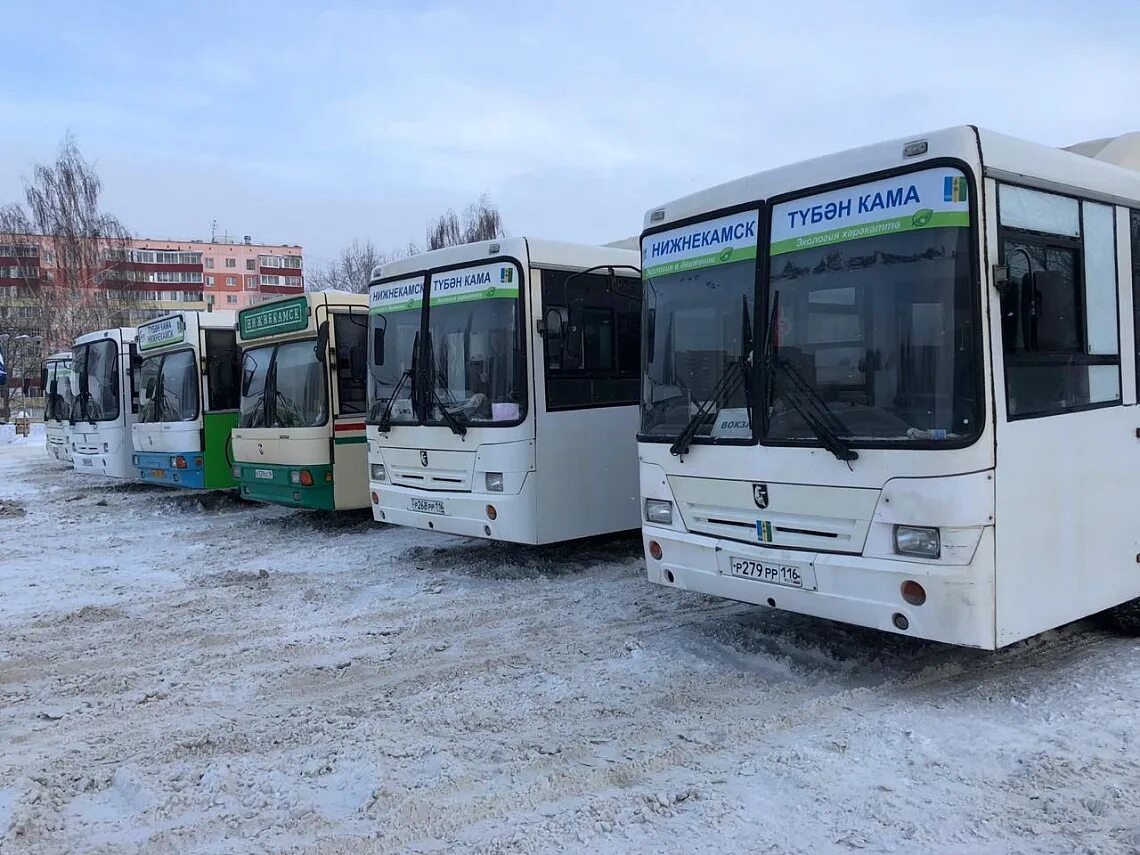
(350, 440)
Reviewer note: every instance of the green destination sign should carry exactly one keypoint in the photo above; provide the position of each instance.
(274, 318)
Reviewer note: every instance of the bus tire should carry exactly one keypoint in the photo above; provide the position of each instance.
(1126, 617)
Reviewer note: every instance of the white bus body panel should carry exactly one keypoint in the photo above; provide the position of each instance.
(57, 439)
(105, 448)
(271, 445)
(175, 437)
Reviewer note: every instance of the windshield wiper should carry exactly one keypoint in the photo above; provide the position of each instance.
(457, 427)
(385, 422)
(734, 375)
(813, 409)
(427, 377)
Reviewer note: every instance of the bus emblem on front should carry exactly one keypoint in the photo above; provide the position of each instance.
(423, 458)
(760, 495)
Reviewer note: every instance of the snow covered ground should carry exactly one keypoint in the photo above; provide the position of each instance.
(185, 673)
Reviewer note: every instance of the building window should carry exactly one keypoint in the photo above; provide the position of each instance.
(210, 281)
(209, 263)
(1060, 335)
(252, 282)
(251, 264)
(293, 261)
(231, 299)
(231, 280)
(209, 299)
(231, 262)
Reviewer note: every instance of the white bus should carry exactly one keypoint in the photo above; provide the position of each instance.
(189, 386)
(58, 391)
(502, 395)
(106, 402)
(897, 387)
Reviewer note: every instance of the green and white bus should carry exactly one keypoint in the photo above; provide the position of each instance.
(300, 437)
(189, 381)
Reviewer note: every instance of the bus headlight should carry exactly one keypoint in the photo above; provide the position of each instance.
(237, 473)
(378, 473)
(295, 477)
(659, 511)
(494, 482)
(918, 540)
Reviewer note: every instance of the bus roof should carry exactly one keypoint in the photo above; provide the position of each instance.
(217, 319)
(121, 334)
(61, 356)
(1003, 157)
(542, 253)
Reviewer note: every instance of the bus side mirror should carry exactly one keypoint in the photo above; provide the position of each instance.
(650, 335)
(322, 348)
(378, 346)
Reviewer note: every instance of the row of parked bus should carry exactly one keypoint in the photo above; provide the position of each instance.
(894, 387)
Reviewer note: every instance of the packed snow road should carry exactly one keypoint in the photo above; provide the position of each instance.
(183, 673)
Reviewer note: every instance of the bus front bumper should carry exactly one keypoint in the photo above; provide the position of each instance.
(959, 606)
(494, 516)
(281, 484)
(161, 468)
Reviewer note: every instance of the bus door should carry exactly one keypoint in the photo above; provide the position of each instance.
(348, 370)
(221, 398)
(1067, 452)
(589, 380)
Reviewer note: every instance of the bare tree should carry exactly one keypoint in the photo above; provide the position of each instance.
(350, 271)
(481, 221)
(82, 280)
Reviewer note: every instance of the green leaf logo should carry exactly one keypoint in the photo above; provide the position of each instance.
(922, 218)
(725, 254)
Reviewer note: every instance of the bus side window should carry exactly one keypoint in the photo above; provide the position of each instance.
(592, 351)
(351, 355)
(1060, 336)
(223, 370)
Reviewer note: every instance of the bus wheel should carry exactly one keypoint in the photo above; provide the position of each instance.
(1126, 617)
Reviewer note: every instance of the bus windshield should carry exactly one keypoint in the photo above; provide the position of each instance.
(284, 386)
(58, 391)
(874, 330)
(476, 369)
(97, 393)
(169, 387)
(394, 337)
(700, 284)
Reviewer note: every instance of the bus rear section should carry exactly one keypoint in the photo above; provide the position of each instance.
(106, 403)
(300, 438)
(58, 387)
(488, 417)
(878, 444)
(189, 382)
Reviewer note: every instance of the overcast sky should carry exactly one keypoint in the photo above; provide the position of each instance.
(363, 120)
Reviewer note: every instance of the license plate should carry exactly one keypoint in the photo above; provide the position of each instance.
(87, 461)
(263, 474)
(788, 575)
(158, 473)
(427, 506)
